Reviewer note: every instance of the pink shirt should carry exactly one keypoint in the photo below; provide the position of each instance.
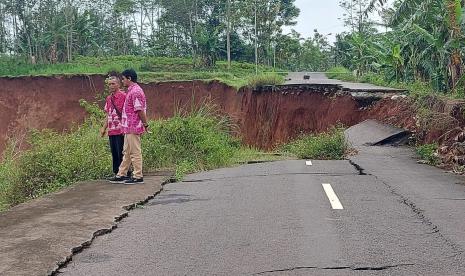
(113, 120)
(135, 101)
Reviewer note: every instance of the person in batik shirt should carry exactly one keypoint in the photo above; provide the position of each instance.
(113, 109)
(134, 124)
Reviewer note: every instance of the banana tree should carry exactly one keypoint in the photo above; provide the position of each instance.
(411, 12)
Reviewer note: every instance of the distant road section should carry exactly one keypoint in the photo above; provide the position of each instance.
(320, 78)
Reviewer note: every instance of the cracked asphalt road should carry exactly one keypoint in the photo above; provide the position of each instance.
(275, 219)
(321, 78)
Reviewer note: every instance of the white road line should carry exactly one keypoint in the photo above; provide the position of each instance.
(308, 163)
(335, 203)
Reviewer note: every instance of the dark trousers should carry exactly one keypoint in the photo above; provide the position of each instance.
(116, 146)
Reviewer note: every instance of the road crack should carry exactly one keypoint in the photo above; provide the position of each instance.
(80, 248)
(435, 230)
(361, 171)
(335, 268)
(263, 175)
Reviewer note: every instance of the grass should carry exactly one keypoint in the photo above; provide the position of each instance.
(151, 69)
(265, 79)
(428, 153)
(188, 142)
(417, 90)
(340, 73)
(329, 145)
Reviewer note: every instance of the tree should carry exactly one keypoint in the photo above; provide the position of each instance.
(445, 34)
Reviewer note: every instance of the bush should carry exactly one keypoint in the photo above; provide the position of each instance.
(330, 145)
(428, 153)
(188, 142)
(198, 140)
(340, 73)
(265, 79)
(56, 160)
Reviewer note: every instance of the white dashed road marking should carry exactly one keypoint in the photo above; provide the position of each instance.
(335, 203)
(308, 163)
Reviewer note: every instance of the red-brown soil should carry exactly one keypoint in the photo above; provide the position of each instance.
(264, 118)
(43, 102)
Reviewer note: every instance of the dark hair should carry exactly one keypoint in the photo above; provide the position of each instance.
(114, 74)
(130, 74)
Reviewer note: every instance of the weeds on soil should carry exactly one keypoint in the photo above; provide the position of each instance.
(330, 145)
(150, 69)
(188, 142)
(265, 79)
(428, 153)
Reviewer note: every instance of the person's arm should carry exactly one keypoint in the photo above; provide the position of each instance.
(143, 118)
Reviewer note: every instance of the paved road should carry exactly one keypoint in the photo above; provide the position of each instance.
(320, 78)
(398, 218)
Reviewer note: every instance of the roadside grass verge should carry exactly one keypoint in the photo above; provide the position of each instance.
(417, 90)
(428, 154)
(150, 69)
(340, 73)
(188, 142)
(265, 79)
(329, 145)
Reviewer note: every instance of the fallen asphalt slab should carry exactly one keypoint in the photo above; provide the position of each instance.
(39, 236)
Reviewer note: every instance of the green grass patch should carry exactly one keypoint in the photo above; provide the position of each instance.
(340, 73)
(194, 141)
(330, 145)
(428, 153)
(150, 69)
(188, 142)
(265, 79)
(417, 90)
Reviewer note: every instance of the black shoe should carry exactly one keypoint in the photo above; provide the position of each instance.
(117, 179)
(133, 181)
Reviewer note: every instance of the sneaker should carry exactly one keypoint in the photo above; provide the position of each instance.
(133, 181)
(117, 179)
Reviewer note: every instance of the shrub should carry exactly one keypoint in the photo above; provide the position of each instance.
(188, 142)
(265, 79)
(328, 145)
(428, 153)
(57, 160)
(193, 141)
(340, 73)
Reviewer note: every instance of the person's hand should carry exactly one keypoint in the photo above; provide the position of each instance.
(103, 132)
(146, 127)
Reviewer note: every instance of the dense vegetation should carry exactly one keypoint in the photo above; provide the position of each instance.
(204, 31)
(190, 141)
(329, 145)
(151, 69)
(415, 42)
(422, 42)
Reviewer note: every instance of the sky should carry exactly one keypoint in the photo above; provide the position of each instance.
(322, 15)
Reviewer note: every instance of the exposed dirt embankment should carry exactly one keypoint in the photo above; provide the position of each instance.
(43, 102)
(439, 120)
(265, 118)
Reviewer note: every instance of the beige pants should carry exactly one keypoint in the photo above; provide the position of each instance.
(132, 154)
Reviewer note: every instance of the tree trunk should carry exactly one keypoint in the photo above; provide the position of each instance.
(228, 34)
(455, 65)
(256, 39)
